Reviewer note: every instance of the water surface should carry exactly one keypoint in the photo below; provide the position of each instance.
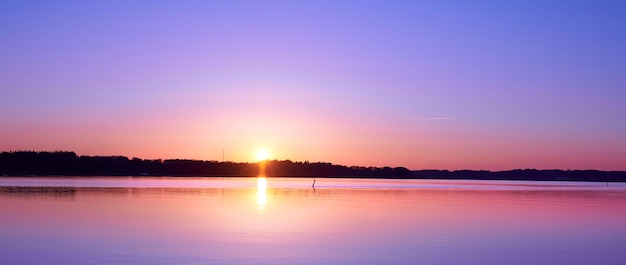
(286, 221)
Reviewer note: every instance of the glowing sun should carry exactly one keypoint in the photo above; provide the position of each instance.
(262, 155)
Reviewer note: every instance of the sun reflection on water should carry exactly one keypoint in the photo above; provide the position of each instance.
(261, 197)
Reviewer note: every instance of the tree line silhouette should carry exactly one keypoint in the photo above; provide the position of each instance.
(20, 163)
(68, 163)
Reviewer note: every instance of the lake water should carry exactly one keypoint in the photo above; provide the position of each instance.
(120, 220)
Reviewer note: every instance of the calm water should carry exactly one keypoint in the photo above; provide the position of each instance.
(285, 221)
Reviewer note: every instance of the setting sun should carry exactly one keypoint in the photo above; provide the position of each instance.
(262, 154)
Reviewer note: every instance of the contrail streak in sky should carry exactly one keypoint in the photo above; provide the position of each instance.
(426, 118)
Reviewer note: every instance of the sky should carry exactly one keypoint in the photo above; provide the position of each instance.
(493, 85)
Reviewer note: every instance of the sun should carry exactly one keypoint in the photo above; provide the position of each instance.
(262, 155)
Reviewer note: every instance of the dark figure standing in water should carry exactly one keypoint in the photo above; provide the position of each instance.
(313, 183)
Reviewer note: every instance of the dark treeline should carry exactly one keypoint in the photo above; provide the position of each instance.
(68, 163)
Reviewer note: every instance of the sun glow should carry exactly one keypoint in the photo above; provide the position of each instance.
(262, 155)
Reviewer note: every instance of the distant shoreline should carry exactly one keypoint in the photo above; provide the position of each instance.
(539, 176)
(68, 164)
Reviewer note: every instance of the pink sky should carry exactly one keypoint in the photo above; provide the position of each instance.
(420, 85)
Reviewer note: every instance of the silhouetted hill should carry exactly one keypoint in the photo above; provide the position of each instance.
(21, 163)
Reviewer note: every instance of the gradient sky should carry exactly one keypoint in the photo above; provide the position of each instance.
(440, 84)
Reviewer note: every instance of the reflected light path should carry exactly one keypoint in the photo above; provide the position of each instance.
(261, 197)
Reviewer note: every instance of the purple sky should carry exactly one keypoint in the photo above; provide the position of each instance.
(441, 84)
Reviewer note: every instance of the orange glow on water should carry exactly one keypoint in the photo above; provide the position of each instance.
(261, 197)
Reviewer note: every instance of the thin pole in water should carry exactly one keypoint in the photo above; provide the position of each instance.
(313, 183)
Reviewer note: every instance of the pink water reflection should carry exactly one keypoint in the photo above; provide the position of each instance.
(285, 221)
